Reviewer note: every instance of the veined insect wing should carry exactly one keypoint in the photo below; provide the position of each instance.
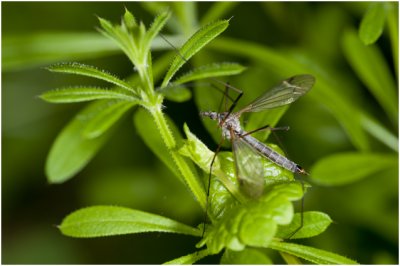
(249, 167)
(286, 92)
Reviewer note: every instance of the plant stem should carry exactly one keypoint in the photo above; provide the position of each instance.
(194, 184)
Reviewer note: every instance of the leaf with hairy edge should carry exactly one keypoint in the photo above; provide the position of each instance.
(212, 70)
(193, 45)
(71, 151)
(313, 255)
(90, 71)
(339, 169)
(189, 259)
(155, 28)
(105, 118)
(83, 94)
(314, 223)
(98, 221)
(147, 129)
(255, 222)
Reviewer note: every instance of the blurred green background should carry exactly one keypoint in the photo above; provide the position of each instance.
(125, 172)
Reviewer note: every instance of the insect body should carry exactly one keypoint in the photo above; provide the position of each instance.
(247, 149)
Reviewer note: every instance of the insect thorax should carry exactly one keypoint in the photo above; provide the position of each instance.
(230, 124)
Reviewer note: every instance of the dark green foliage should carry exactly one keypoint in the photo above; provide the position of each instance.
(244, 231)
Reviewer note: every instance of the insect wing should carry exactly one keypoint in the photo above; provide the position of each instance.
(285, 93)
(249, 168)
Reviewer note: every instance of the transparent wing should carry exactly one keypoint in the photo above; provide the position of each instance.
(285, 93)
(249, 168)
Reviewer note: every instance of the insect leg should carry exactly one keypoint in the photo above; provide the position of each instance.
(267, 127)
(209, 184)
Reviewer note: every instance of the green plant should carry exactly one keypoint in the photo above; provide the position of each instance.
(238, 229)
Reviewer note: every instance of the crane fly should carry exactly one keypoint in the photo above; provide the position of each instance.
(247, 150)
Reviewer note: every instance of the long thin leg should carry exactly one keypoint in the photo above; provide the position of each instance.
(209, 184)
(267, 127)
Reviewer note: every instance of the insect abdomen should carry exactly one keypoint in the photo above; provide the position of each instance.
(272, 155)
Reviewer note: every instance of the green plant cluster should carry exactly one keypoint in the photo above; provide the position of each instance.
(239, 227)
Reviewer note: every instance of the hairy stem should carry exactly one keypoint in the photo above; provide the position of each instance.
(191, 180)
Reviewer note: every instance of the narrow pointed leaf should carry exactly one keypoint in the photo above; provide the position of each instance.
(193, 45)
(310, 254)
(156, 27)
(71, 151)
(346, 168)
(105, 118)
(90, 71)
(26, 50)
(373, 23)
(83, 94)
(377, 76)
(101, 221)
(189, 259)
(208, 71)
(129, 19)
(314, 223)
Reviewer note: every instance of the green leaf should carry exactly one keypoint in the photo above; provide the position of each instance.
(90, 71)
(71, 151)
(129, 19)
(100, 221)
(196, 150)
(346, 168)
(193, 45)
(83, 94)
(373, 22)
(313, 255)
(372, 69)
(123, 38)
(314, 223)
(105, 118)
(26, 50)
(220, 197)
(377, 130)
(189, 259)
(180, 166)
(208, 71)
(226, 185)
(176, 93)
(255, 222)
(246, 256)
(156, 27)
(290, 259)
(393, 28)
(21, 51)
